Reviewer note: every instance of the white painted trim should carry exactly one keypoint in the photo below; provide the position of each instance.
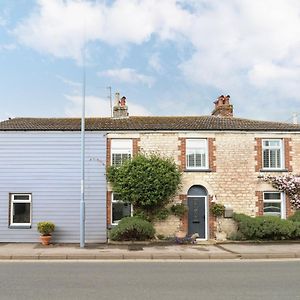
(206, 154)
(282, 201)
(13, 201)
(128, 149)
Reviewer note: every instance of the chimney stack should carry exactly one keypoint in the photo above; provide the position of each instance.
(120, 110)
(223, 108)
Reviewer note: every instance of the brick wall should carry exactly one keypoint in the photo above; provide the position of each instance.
(182, 153)
(287, 154)
(258, 154)
(212, 154)
(259, 203)
(108, 207)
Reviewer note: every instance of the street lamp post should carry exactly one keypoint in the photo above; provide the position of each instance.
(82, 198)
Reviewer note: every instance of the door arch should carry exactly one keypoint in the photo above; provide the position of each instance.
(197, 214)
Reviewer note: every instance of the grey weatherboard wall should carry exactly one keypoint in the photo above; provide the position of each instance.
(47, 165)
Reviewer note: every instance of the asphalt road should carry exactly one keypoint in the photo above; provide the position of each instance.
(150, 280)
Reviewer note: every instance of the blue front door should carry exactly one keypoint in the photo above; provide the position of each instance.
(196, 214)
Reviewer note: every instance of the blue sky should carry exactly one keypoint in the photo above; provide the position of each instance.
(167, 57)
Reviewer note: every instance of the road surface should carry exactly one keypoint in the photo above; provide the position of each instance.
(150, 280)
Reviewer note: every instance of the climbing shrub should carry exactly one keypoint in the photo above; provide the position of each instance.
(148, 182)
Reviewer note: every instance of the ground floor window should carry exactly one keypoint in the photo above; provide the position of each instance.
(273, 204)
(20, 210)
(119, 209)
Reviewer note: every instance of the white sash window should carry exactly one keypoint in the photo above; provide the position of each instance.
(196, 154)
(121, 150)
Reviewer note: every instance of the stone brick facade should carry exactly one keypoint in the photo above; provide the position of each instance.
(235, 163)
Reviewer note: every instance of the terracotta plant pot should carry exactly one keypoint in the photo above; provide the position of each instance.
(45, 239)
(180, 234)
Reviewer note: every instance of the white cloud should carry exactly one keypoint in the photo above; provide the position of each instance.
(7, 47)
(231, 38)
(155, 62)
(127, 75)
(60, 27)
(98, 107)
(249, 49)
(271, 76)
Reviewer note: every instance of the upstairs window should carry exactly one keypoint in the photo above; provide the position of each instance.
(121, 150)
(273, 204)
(196, 154)
(119, 209)
(20, 210)
(272, 154)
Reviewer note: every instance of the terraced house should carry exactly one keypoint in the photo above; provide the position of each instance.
(222, 159)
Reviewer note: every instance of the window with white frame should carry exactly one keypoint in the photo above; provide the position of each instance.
(196, 154)
(20, 210)
(272, 154)
(121, 150)
(274, 204)
(119, 209)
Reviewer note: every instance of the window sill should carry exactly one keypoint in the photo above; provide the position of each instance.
(274, 170)
(197, 170)
(19, 226)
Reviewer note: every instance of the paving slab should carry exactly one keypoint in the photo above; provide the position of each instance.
(223, 256)
(262, 248)
(29, 251)
(194, 256)
(109, 256)
(50, 257)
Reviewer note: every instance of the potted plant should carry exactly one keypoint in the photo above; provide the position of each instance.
(45, 229)
(217, 211)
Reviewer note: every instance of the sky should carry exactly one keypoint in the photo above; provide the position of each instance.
(167, 57)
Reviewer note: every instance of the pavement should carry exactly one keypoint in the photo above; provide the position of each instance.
(207, 251)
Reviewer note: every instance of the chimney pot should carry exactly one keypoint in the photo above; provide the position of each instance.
(120, 110)
(223, 108)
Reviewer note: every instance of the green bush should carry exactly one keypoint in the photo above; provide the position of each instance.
(217, 209)
(178, 209)
(236, 236)
(45, 228)
(266, 227)
(148, 182)
(162, 214)
(132, 229)
(295, 217)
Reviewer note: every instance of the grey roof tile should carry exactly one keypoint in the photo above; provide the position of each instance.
(199, 123)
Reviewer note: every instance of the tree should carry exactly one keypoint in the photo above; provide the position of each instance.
(148, 182)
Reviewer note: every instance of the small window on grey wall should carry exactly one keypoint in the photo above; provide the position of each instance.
(20, 210)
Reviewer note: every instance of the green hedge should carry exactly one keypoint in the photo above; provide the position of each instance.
(295, 217)
(132, 229)
(267, 228)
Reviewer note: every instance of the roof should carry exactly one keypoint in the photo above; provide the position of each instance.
(200, 123)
